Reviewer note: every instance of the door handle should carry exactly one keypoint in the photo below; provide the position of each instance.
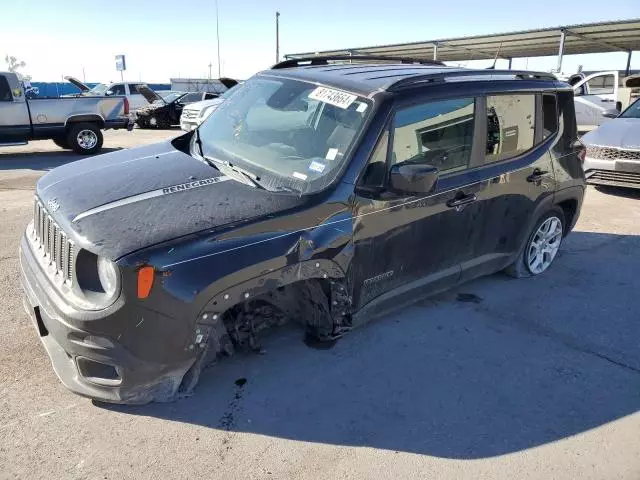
(536, 176)
(460, 201)
(611, 100)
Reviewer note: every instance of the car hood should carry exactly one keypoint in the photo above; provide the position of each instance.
(204, 104)
(120, 202)
(77, 83)
(149, 95)
(619, 132)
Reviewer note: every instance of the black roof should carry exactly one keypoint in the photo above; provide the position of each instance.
(367, 78)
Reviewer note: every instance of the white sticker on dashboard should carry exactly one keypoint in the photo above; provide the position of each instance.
(334, 97)
(361, 107)
(299, 175)
(332, 153)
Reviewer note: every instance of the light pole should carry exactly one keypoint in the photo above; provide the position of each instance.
(218, 38)
(277, 37)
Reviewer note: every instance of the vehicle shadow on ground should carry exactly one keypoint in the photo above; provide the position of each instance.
(620, 192)
(42, 160)
(496, 366)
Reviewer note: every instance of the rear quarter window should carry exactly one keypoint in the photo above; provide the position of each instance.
(5, 90)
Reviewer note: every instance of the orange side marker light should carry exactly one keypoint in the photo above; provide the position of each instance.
(145, 281)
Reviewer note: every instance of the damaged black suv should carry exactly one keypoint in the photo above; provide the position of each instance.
(322, 191)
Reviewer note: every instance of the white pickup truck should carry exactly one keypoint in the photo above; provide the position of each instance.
(72, 123)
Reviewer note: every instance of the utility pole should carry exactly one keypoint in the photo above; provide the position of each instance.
(84, 76)
(218, 38)
(209, 70)
(277, 37)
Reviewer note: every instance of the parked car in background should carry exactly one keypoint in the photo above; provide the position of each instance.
(322, 194)
(164, 111)
(119, 89)
(613, 150)
(196, 113)
(72, 123)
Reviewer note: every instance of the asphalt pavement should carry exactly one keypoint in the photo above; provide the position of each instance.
(498, 379)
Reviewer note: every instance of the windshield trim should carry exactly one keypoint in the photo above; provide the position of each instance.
(634, 105)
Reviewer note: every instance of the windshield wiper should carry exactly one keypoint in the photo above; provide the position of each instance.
(247, 174)
(225, 167)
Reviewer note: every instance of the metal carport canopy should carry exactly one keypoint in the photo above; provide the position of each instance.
(603, 37)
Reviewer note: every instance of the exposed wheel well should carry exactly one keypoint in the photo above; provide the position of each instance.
(96, 119)
(569, 208)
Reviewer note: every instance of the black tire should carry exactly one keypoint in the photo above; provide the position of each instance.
(62, 143)
(75, 143)
(520, 268)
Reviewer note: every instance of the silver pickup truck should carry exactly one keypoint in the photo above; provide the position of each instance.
(72, 123)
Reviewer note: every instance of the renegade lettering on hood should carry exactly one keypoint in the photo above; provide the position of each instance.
(182, 187)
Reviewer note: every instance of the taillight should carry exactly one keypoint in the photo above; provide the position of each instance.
(126, 106)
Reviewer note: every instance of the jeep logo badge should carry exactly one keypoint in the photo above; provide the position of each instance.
(53, 205)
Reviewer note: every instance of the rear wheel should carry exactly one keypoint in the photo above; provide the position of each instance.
(85, 138)
(62, 143)
(541, 247)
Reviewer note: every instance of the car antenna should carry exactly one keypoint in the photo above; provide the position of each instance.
(495, 59)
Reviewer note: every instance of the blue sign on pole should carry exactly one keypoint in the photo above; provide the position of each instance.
(120, 63)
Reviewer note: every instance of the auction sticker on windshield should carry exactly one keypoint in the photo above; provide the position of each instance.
(334, 97)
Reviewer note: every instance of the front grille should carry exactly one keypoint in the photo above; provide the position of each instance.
(52, 243)
(614, 178)
(189, 114)
(605, 153)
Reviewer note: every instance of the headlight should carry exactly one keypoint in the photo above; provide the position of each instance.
(97, 281)
(108, 275)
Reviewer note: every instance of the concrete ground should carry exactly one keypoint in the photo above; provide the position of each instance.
(529, 379)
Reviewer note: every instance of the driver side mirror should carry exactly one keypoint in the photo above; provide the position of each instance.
(611, 113)
(413, 178)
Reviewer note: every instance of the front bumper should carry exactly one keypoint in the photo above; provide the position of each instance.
(92, 363)
(616, 173)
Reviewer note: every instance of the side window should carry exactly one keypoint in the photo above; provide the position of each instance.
(601, 85)
(117, 90)
(133, 89)
(191, 97)
(436, 133)
(510, 126)
(549, 116)
(5, 90)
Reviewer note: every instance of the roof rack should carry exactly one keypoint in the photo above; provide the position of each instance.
(440, 77)
(324, 60)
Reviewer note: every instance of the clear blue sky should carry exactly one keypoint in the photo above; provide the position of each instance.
(163, 38)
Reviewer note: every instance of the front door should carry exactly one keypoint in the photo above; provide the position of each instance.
(406, 245)
(15, 125)
(593, 95)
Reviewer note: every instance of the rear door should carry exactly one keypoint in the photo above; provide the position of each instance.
(593, 95)
(15, 125)
(517, 174)
(405, 244)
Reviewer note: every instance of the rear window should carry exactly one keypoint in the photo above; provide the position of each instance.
(510, 126)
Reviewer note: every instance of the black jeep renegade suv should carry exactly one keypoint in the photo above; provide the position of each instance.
(322, 191)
